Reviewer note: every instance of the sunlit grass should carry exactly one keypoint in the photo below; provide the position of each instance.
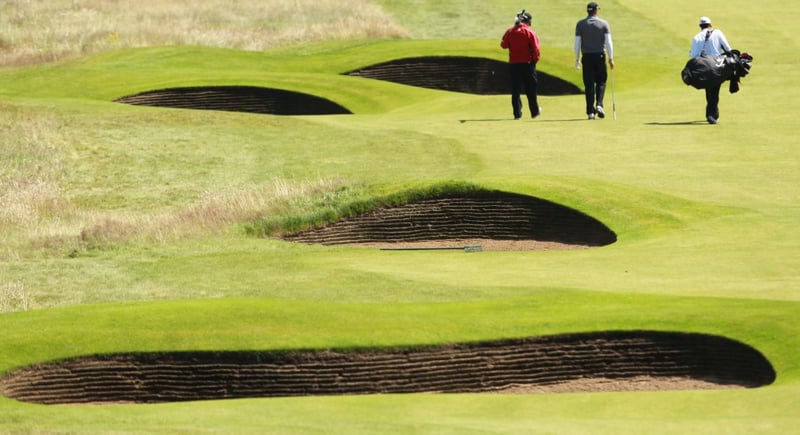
(124, 228)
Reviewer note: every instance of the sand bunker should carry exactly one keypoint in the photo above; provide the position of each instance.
(459, 74)
(493, 220)
(249, 99)
(600, 361)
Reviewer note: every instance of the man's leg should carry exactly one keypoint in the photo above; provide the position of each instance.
(712, 103)
(601, 76)
(516, 91)
(531, 89)
(588, 83)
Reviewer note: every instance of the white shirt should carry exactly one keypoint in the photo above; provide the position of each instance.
(714, 46)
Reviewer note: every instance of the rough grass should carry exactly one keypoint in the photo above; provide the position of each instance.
(213, 213)
(37, 211)
(36, 31)
(31, 172)
(13, 297)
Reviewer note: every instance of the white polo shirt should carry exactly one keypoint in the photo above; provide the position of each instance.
(713, 46)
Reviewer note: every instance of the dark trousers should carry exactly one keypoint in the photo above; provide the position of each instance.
(595, 76)
(712, 101)
(524, 75)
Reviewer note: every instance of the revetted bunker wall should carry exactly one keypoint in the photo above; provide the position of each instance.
(473, 215)
(459, 74)
(449, 73)
(237, 99)
(470, 367)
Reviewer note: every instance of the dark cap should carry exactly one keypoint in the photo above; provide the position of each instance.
(525, 17)
(592, 6)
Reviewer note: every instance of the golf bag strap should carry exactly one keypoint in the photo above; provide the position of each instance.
(708, 35)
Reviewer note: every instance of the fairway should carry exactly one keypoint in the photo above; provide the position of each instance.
(351, 234)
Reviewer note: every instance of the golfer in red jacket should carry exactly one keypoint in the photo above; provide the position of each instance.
(523, 53)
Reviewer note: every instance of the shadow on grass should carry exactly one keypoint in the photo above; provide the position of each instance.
(463, 121)
(703, 122)
(486, 120)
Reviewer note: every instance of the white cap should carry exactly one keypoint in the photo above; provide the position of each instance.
(705, 20)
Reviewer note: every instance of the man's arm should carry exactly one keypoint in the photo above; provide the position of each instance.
(610, 50)
(723, 42)
(695, 50)
(504, 41)
(578, 51)
(537, 53)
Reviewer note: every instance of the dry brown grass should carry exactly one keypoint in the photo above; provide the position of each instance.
(31, 168)
(36, 31)
(13, 297)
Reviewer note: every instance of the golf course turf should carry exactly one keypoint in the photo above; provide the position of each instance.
(297, 256)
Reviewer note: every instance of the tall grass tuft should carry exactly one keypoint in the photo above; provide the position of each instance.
(31, 168)
(13, 297)
(36, 31)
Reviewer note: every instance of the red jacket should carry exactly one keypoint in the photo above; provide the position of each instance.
(522, 44)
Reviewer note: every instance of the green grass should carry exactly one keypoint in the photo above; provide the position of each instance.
(127, 227)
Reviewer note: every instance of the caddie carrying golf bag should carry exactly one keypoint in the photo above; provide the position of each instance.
(704, 71)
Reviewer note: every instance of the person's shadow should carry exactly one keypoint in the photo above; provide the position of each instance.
(485, 120)
(523, 119)
(679, 123)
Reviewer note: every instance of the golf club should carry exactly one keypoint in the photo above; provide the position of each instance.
(613, 98)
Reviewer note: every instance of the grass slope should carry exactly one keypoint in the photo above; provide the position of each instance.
(706, 218)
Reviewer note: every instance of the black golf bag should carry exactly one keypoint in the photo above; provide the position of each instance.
(704, 71)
